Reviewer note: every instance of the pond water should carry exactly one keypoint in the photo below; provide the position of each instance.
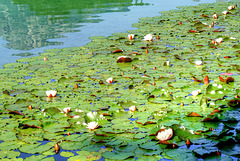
(27, 27)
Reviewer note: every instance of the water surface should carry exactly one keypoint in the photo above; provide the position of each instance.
(29, 27)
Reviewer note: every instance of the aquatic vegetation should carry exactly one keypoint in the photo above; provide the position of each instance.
(160, 104)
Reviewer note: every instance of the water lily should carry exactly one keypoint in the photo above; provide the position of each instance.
(213, 92)
(198, 62)
(230, 7)
(225, 12)
(164, 134)
(67, 109)
(215, 16)
(109, 80)
(196, 92)
(219, 40)
(51, 93)
(92, 115)
(130, 36)
(133, 108)
(168, 63)
(148, 37)
(92, 125)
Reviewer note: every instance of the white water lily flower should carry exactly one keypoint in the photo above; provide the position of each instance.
(220, 86)
(196, 92)
(109, 80)
(198, 62)
(191, 131)
(130, 36)
(164, 134)
(67, 109)
(168, 63)
(219, 40)
(230, 7)
(215, 85)
(212, 103)
(215, 16)
(92, 125)
(92, 115)
(51, 93)
(133, 108)
(225, 12)
(148, 37)
(220, 92)
(213, 92)
(233, 38)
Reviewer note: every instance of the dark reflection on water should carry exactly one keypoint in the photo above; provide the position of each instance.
(28, 24)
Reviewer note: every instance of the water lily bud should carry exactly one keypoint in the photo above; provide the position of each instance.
(206, 80)
(180, 23)
(218, 153)
(157, 37)
(134, 67)
(51, 93)
(76, 85)
(68, 133)
(30, 107)
(188, 142)
(146, 51)
(212, 23)
(153, 83)
(181, 104)
(44, 58)
(57, 148)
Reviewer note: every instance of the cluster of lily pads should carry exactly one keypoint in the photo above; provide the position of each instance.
(167, 90)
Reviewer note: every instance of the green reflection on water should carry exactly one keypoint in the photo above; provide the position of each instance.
(28, 24)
